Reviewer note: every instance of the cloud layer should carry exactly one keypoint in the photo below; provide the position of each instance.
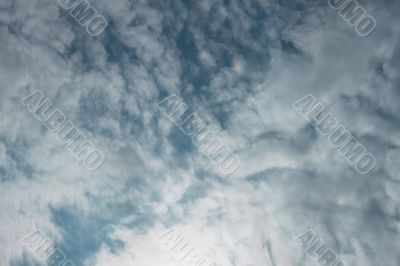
(240, 65)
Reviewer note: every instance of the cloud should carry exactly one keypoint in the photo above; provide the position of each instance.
(240, 65)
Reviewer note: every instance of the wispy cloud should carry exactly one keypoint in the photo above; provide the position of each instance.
(240, 65)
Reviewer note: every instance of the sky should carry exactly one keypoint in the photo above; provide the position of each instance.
(240, 65)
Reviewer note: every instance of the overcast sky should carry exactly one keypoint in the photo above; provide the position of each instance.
(239, 65)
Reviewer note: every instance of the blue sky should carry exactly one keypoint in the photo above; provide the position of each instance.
(239, 65)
